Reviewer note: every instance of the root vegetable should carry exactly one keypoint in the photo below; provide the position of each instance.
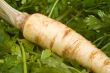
(62, 40)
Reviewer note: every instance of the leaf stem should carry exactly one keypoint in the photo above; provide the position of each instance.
(63, 15)
(23, 57)
(105, 46)
(53, 8)
(74, 69)
(98, 39)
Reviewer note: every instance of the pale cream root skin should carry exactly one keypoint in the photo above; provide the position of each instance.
(64, 41)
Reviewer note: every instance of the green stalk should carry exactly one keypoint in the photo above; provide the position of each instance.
(53, 8)
(23, 57)
(63, 15)
(74, 69)
(11, 15)
(105, 46)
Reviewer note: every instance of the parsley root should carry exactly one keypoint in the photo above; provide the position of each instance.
(64, 41)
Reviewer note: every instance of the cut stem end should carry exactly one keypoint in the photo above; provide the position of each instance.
(11, 15)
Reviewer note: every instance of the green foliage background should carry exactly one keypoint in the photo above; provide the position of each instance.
(90, 18)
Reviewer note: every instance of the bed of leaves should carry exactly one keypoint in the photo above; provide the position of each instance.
(90, 18)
